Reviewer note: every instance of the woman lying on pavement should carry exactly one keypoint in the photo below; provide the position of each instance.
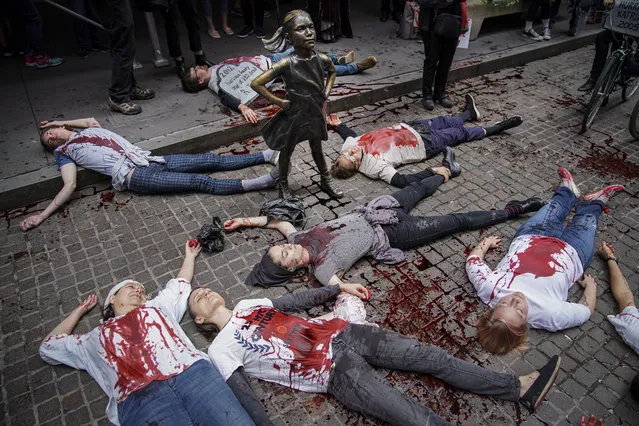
(530, 285)
(259, 340)
(381, 229)
(143, 360)
(132, 168)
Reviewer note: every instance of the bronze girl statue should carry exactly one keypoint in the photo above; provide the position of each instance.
(302, 115)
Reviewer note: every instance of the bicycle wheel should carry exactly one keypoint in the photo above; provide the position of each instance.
(629, 88)
(633, 125)
(602, 90)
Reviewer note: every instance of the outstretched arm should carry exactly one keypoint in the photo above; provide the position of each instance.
(259, 84)
(80, 123)
(342, 129)
(192, 248)
(283, 226)
(68, 324)
(618, 284)
(69, 173)
(307, 299)
(239, 384)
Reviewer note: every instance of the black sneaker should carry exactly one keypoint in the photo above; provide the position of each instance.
(83, 52)
(509, 123)
(451, 163)
(540, 387)
(259, 33)
(444, 100)
(588, 85)
(526, 206)
(245, 32)
(471, 109)
(140, 94)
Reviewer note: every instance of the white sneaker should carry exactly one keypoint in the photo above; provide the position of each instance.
(547, 34)
(532, 34)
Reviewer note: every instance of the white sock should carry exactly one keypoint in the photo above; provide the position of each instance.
(261, 182)
(269, 155)
(546, 23)
(528, 26)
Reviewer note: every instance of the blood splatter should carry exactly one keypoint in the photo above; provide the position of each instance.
(380, 141)
(606, 163)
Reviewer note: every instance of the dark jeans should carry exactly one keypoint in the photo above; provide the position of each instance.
(602, 46)
(85, 33)
(536, 4)
(439, 57)
(247, 11)
(353, 380)
(27, 26)
(415, 231)
(190, 16)
(579, 233)
(120, 24)
(197, 396)
(181, 173)
(447, 131)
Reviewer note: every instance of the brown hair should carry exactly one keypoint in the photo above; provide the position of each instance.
(209, 331)
(499, 338)
(46, 144)
(340, 172)
(191, 84)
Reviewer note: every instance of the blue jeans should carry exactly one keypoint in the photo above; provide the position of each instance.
(347, 69)
(181, 173)
(353, 380)
(580, 233)
(197, 396)
(449, 131)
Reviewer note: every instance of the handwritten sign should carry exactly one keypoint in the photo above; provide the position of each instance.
(624, 18)
(235, 79)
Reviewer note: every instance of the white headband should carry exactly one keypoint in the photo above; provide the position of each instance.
(115, 289)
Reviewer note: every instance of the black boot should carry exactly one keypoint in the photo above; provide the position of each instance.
(588, 85)
(427, 102)
(506, 124)
(180, 67)
(326, 182)
(427, 89)
(450, 163)
(470, 112)
(284, 190)
(515, 208)
(444, 100)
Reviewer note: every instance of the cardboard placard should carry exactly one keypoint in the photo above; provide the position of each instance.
(235, 79)
(624, 18)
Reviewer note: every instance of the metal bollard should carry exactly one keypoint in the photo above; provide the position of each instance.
(158, 59)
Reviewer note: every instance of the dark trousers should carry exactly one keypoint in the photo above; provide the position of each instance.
(536, 4)
(439, 57)
(354, 382)
(27, 26)
(602, 46)
(120, 22)
(190, 16)
(248, 7)
(85, 33)
(414, 231)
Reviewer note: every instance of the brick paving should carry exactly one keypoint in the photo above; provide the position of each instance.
(99, 239)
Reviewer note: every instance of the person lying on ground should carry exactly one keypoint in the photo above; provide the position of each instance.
(198, 78)
(377, 153)
(84, 143)
(530, 285)
(258, 339)
(627, 321)
(381, 229)
(143, 360)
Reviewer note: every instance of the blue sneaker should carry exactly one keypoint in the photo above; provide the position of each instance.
(47, 61)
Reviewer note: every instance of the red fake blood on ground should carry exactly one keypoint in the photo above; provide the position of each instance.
(131, 351)
(467, 251)
(299, 336)
(379, 141)
(538, 259)
(606, 163)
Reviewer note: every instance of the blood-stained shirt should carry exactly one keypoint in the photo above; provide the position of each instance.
(128, 352)
(543, 269)
(627, 325)
(384, 149)
(275, 346)
(105, 152)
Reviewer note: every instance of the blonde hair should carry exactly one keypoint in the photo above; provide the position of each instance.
(499, 338)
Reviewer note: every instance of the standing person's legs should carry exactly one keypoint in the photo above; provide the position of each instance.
(190, 16)
(549, 220)
(581, 231)
(432, 45)
(354, 382)
(409, 196)
(208, 162)
(446, 53)
(172, 32)
(80, 28)
(122, 50)
(247, 11)
(259, 14)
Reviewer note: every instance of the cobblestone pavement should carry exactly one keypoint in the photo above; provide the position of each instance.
(99, 239)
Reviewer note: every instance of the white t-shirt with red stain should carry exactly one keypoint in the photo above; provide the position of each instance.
(627, 325)
(387, 148)
(276, 347)
(543, 269)
(128, 352)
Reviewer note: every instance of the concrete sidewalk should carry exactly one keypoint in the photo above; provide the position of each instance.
(179, 122)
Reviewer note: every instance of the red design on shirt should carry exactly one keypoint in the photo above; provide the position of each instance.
(135, 354)
(309, 341)
(380, 141)
(93, 140)
(536, 259)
